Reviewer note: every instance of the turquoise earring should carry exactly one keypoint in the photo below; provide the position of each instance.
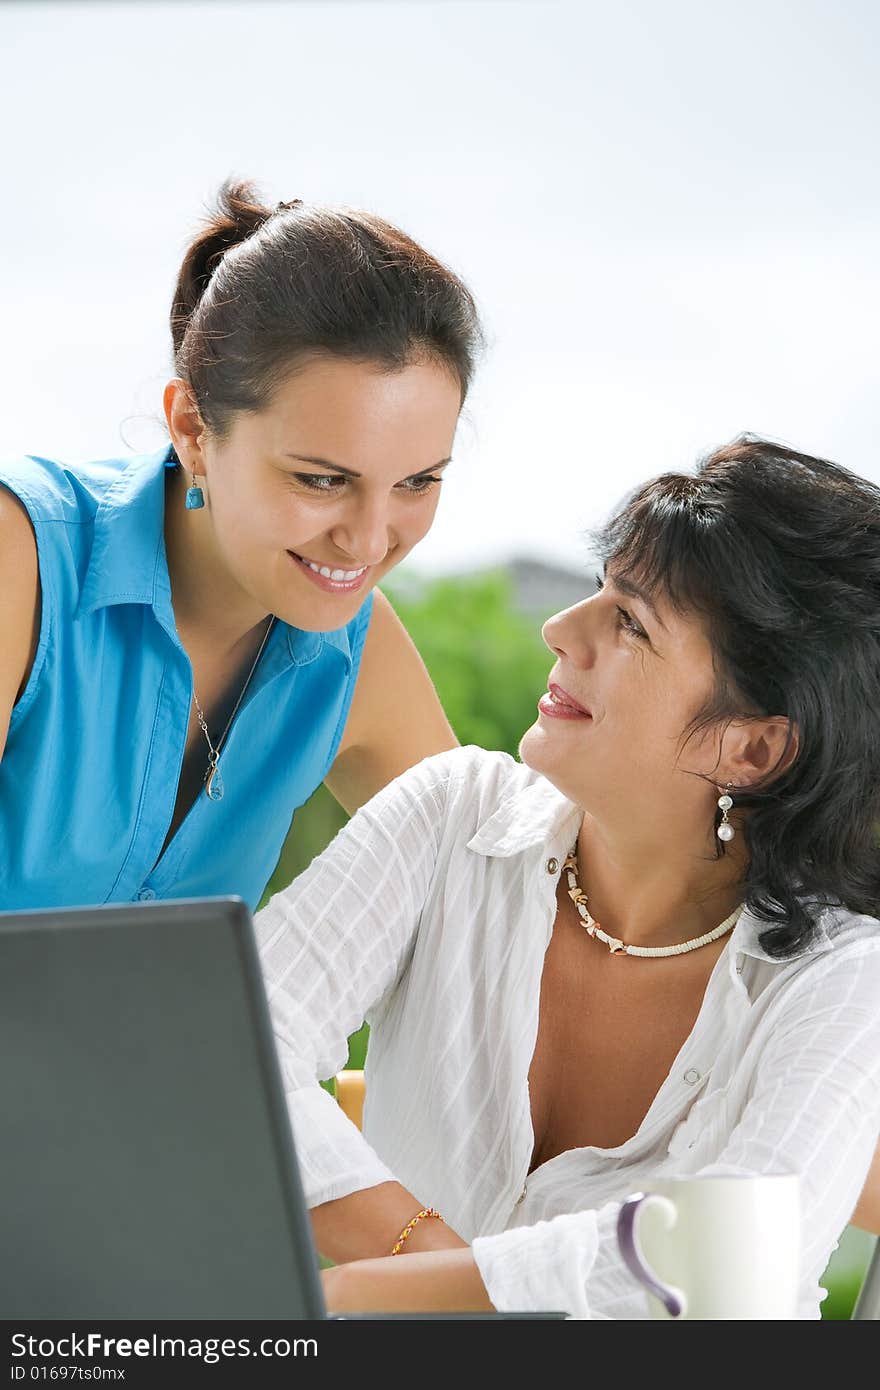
(194, 496)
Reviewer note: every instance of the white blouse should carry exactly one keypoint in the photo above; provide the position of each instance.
(429, 916)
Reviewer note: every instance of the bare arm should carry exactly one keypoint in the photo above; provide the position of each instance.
(366, 1224)
(438, 1281)
(395, 719)
(19, 604)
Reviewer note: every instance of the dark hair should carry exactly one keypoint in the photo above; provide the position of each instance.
(262, 289)
(780, 554)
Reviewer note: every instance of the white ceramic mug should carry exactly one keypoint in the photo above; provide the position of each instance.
(715, 1247)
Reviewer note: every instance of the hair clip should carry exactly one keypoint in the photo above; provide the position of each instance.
(285, 207)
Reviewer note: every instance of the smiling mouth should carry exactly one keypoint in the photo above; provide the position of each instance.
(564, 700)
(339, 576)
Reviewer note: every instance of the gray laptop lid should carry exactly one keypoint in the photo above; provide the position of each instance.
(148, 1168)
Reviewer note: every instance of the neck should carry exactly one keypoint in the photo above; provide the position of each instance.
(653, 886)
(210, 607)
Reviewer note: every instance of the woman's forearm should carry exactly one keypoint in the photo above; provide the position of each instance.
(366, 1224)
(432, 1281)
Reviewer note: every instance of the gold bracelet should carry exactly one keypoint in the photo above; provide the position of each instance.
(410, 1226)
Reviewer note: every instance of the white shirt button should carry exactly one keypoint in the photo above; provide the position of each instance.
(146, 895)
(692, 1076)
(552, 866)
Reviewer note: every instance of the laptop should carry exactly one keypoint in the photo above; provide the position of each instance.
(149, 1169)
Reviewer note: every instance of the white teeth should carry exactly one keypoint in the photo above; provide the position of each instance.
(338, 575)
(565, 704)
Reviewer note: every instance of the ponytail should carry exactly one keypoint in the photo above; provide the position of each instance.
(236, 216)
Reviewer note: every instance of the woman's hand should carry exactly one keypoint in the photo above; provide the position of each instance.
(433, 1281)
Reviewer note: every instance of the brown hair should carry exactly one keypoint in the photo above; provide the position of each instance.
(263, 289)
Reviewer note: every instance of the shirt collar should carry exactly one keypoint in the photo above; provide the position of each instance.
(539, 814)
(127, 560)
(127, 563)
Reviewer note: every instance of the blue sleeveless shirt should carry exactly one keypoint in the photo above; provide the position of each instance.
(89, 775)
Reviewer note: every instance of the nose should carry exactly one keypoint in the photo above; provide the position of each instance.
(569, 634)
(364, 533)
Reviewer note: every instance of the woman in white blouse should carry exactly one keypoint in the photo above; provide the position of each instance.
(650, 947)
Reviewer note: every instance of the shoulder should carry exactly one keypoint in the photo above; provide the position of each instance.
(853, 940)
(58, 503)
(470, 782)
(447, 799)
(840, 968)
(52, 491)
(843, 936)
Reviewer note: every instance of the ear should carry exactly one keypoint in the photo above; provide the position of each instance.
(757, 751)
(185, 425)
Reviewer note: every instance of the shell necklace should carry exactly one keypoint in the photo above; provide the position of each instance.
(614, 944)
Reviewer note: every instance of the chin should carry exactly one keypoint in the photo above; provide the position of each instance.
(543, 755)
(321, 612)
(329, 619)
(533, 749)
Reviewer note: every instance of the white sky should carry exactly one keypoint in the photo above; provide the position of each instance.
(669, 213)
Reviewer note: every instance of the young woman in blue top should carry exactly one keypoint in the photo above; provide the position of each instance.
(191, 641)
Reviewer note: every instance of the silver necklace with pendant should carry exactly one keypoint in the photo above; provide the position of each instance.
(213, 776)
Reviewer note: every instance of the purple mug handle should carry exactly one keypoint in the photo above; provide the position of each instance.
(673, 1299)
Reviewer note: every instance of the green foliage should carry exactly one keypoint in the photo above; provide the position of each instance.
(488, 662)
(357, 1048)
(843, 1290)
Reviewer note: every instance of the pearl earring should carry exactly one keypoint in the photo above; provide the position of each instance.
(195, 497)
(725, 830)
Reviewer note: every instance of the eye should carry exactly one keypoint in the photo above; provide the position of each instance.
(320, 482)
(331, 482)
(419, 485)
(629, 624)
(625, 619)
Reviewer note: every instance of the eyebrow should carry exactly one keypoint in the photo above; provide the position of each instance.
(626, 586)
(350, 472)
